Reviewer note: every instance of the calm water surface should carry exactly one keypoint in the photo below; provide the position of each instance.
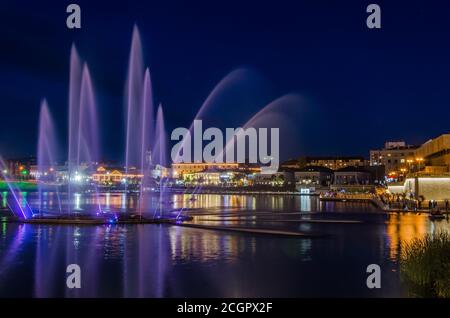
(171, 261)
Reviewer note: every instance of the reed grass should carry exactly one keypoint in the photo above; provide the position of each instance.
(425, 266)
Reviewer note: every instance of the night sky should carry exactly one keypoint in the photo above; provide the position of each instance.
(361, 87)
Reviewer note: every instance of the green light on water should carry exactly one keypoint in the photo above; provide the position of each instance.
(24, 199)
(4, 202)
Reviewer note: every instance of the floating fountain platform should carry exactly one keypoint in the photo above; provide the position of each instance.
(95, 219)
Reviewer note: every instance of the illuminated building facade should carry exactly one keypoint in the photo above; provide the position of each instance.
(430, 177)
(216, 178)
(20, 168)
(352, 176)
(435, 154)
(397, 157)
(313, 176)
(330, 162)
(115, 175)
(180, 169)
(278, 179)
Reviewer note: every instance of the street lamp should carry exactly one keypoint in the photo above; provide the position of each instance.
(409, 161)
(419, 160)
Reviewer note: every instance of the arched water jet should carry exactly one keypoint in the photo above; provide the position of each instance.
(280, 113)
(231, 82)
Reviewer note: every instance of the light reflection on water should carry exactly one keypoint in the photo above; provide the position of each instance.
(168, 261)
(123, 201)
(402, 228)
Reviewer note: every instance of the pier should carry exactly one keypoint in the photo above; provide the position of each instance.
(374, 200)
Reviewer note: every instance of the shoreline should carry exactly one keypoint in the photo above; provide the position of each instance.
(379, 205)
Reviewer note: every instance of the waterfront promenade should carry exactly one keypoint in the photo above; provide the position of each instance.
(380, 203)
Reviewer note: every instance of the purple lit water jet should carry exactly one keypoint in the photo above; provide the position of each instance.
(147, 135)
(146, 140)
(281, 113)
(159, 152)
(143, 145)
(134, 105)
(88, 127)
(17, 206)
(46, 155)
(230, 84)
(74, 115)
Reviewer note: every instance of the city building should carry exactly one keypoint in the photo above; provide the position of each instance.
(332, 162)
(429, 175)
(109, 176)
(397, 158)
(180, 169)
(316, 176)
(20, 168)
(427, 188)
(277, 179)
(308, 179)
(434, 155)
(292, 164)
(54, 173)
(352, 176)
(215, 177)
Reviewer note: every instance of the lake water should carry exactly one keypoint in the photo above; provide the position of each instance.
(172, 261)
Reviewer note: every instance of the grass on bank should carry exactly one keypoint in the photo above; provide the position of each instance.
(425, 266)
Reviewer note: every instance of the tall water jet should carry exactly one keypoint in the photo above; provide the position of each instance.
(134, 104)
(147, 134)
(159, 152)
(74, 115)
(159, 149)
(88, 145)
(147, 125)
(46, 156)
(88, 127)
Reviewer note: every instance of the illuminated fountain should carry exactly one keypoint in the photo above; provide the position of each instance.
(145, 146)
(139, 122)
(159, 151)
(83, 144)
(46, 158)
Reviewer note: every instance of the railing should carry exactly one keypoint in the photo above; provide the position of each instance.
(427, 174)
(348, 196)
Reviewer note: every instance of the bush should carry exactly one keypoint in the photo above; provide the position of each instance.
(425, 266)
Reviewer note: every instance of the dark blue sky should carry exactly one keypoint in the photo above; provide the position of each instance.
(362, 86)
